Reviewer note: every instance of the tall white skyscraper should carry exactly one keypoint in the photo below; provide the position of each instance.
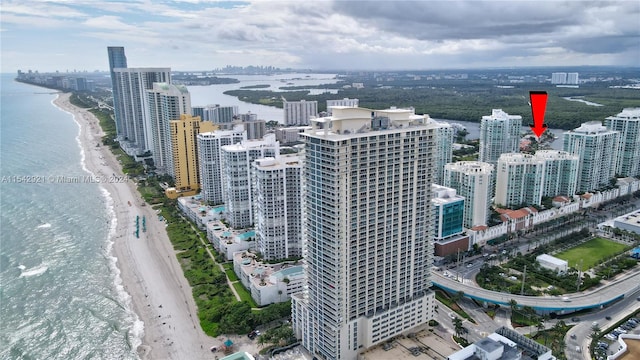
(559, 78)
(628, 124)
(597, 147)
(519, 180)
(341, 102)
(117, 59)
(560, 172)
(237, 160)
(210, 161)
(299, 112)
(278, 206)
(166, 102)
(499, 134)
(368, 229)
(475, 181)
(133, 84)
(255, 128)
(573, 78)
(216, 113)
(444, 150)
(249, 116)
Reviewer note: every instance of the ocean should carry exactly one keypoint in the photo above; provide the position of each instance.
(61, 296)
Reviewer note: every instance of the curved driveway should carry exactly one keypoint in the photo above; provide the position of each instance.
(601, 296)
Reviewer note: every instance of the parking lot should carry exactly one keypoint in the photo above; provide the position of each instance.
(422, 344)
(608, 345)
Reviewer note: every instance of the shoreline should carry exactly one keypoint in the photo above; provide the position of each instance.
(149, 271)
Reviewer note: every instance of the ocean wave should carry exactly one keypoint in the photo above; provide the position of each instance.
(34, 271)
(43, 226)
(136, 332)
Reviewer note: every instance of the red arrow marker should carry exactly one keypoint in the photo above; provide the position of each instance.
(538, 107)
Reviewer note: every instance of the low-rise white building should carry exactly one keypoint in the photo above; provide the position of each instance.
(629, 222)
(503, 344)
(193, 207)
(553, 263)
(268, 283)
(228, 241)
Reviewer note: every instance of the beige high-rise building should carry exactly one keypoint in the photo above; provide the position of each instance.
(166, 102)
(184, 142)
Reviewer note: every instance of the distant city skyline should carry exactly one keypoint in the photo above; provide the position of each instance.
(325, 35)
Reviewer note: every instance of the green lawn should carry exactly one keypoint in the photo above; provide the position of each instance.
(245, 295)
(228, 269)
(591, 252)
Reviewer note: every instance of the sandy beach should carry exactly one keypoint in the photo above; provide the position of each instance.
(151, 274)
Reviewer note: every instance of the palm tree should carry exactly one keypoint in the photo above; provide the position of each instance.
(560, 326)
(513, 304)
(457, 326)
(261, 340)
(540, 326)
(562, 346)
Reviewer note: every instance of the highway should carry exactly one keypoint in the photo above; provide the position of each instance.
(601, 296)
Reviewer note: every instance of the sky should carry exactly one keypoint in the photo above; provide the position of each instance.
(185, 35)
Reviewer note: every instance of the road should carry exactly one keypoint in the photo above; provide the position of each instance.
(577, 301)
(583, 328)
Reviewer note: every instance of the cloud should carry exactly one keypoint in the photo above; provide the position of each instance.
(333, 34)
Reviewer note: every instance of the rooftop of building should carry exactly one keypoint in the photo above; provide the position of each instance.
(517, 158)
(499, 114)
(262, 274)
(348, 122)
(628, 114)
(508, 214)
(554, 154)
(626, 181)
(242, 355)
(196, 204)
(451, 239)
(631, 218)
(590, 128)
(280, 162)
(237, 129)
(471, 166)
(551, 259)
(228, 235)
(269, 140)
(561, 199)
(479, 228)
(514, 346)
(586, 196)
(444, 195)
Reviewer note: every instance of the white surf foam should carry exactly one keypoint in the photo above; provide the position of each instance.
(38, 270)
(136, 332)
(43, 226)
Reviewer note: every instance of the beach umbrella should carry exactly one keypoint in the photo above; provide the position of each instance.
(228, 343)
